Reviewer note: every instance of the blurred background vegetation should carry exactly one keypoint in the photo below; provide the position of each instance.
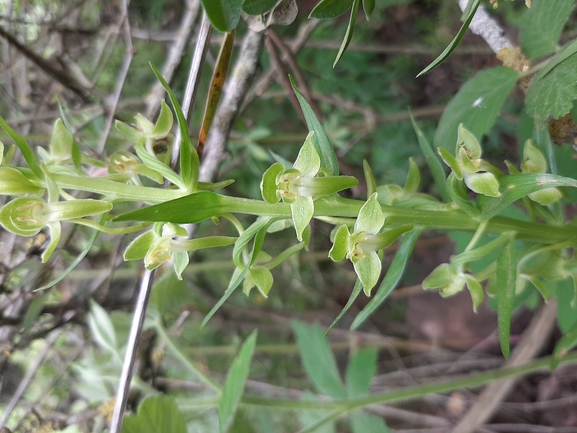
(364, 105)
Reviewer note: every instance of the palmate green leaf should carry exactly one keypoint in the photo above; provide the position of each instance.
(432, 160)
(450, 48)
(515, 187)
(234, 385)
(156, 414)
(552, 92)
(318, 360)
(541, 25)
(360, 371)
(327, 9)
(392, 278)
(506, 283)
(258, 7)
(476, 105)
(321, 141)
(349, 32)
(223, 14)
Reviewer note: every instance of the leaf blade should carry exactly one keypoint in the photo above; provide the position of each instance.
(506, 282)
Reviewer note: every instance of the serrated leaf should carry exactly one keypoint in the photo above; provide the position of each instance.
(350, 30)
(223, 14)
(318, 360)
(447, 51)
(234, 385)
(392, 278)
(541, 25)
(320, 140)
(515, 187)
(506, 284)
(360, 371)
(327, 9)
(156, 414)
(476, 105)
(433, 162)
(258, 7)
(552, 93)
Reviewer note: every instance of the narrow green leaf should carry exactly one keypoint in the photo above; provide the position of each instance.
(567, 342)
(234, 385)
(24, 147)
(357, 289)
(515, 187)
(360, 371)
(223, 14)
(101, 328)
(189, 160)
(368, 7)
(392, 278)
(369, 178)
(327, 9)
(318, 360)
(476, 105)
(506, 283)
(459, 196)
(447, 51)
(320, 140)
(413, 178)
(433, 162)
(541, 25)
(258, 7)
(154, 164)
(349, 32)
(191, 209)
(156, 414)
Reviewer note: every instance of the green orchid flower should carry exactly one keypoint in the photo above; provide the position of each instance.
(164, 242)
(26, 216)
(301, 185)
(534, 162)
(361, 246)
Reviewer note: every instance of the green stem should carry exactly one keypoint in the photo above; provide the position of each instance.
(116, 190)
(408, 393)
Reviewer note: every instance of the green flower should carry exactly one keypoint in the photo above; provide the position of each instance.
(162, 244)
(26, 216)
(299, 186)
(361, 246)
(534, 162)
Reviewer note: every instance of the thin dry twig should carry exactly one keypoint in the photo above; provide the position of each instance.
(533, 340)
(173, 57)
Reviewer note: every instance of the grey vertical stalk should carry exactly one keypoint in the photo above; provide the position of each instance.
(147, 280)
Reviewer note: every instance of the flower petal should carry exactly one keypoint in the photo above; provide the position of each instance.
(302, 212)
(371, 217)
(308, 161)
(368, 269)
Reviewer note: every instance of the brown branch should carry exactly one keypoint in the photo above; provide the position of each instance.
(60, 75)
